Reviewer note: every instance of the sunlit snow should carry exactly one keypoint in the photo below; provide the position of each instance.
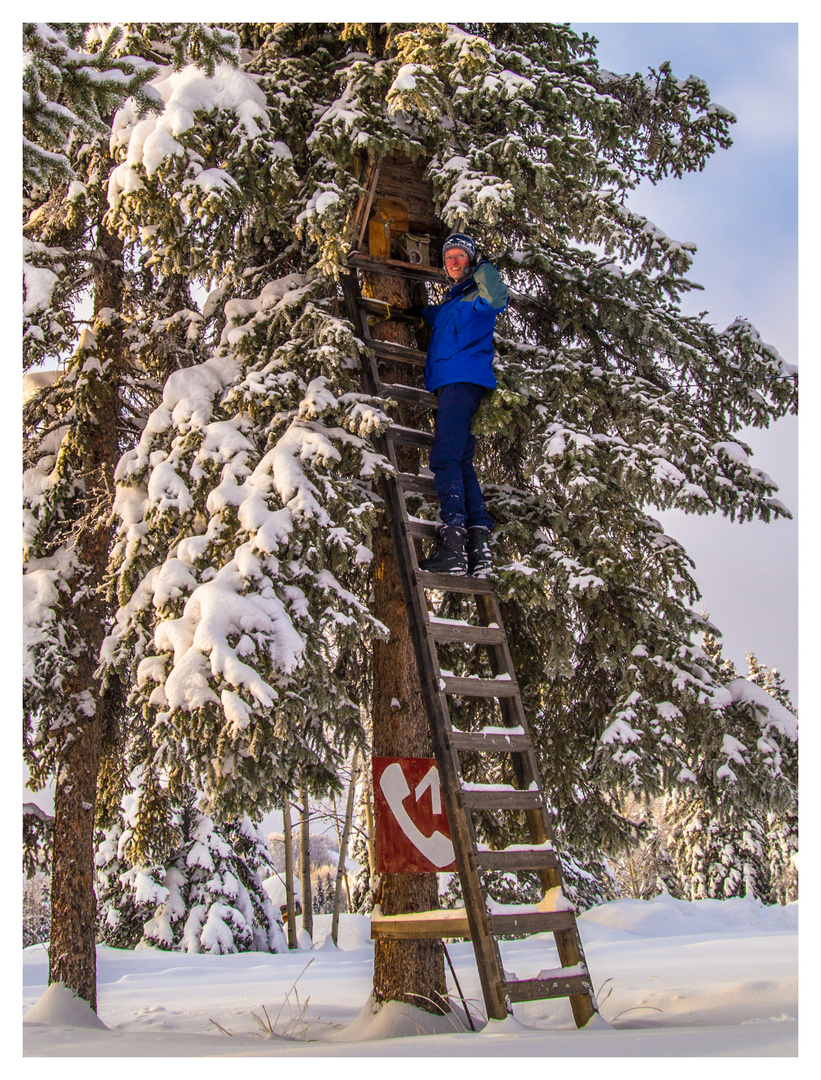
(673, 978)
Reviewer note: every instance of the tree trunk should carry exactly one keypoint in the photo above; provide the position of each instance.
(305, 866)
(72, 949)
(367, 797)
(288, 838)
(343, 848)
(634, 885)
(412, 971)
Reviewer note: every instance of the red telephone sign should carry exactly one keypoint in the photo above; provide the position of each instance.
(412, 832)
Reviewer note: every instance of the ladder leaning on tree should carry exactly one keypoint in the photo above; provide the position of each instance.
(462, 800)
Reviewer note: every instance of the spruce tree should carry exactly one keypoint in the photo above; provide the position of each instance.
(38, 840)
(123, 908)
(73, 81)
(77, 422)
(782, 851)
(771, 680)
(36, 910)
(71, 88)
(739, 837)
(724, 667)
(719, 855)
(38, 830)
(781, 826)
(206, 895)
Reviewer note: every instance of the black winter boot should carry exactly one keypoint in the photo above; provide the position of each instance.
(480, 563)
(449, 555)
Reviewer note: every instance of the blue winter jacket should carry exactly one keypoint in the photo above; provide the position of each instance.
(461, 347)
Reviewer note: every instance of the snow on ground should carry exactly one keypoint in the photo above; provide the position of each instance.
(674, 979)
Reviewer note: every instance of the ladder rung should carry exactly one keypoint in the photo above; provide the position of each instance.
(484, 688)
(421, 924)
(453, 922)
(536, 922)
(537, 989)
(451, 583)
(424, 485)
(535, 859)
(425, 529)
(409, 395)
(503, 800)
(466, 634)
(397, 268)
(515, 743)
(409, 436)
(392, 350)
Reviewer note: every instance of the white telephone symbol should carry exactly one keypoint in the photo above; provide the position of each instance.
(436, 848)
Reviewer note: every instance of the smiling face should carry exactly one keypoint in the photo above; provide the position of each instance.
(457, 262)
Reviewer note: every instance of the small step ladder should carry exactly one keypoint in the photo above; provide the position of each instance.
(477, 920)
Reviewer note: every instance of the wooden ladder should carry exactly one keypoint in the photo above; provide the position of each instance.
(477, 920)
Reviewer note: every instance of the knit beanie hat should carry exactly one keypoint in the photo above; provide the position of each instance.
(460, 240)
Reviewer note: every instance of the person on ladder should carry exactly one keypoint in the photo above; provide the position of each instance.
(459, 370)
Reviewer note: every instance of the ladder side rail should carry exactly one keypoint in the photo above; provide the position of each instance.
(369, 373)
(374, 169)
(525, 766)
(352, 295)
(447, 756)
(368, 179)
(488, 957)
(489, 963)
(568, 941)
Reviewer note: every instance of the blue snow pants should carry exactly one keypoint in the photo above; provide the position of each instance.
(451, 458)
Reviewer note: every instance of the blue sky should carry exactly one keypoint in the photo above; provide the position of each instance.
(742, 212)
